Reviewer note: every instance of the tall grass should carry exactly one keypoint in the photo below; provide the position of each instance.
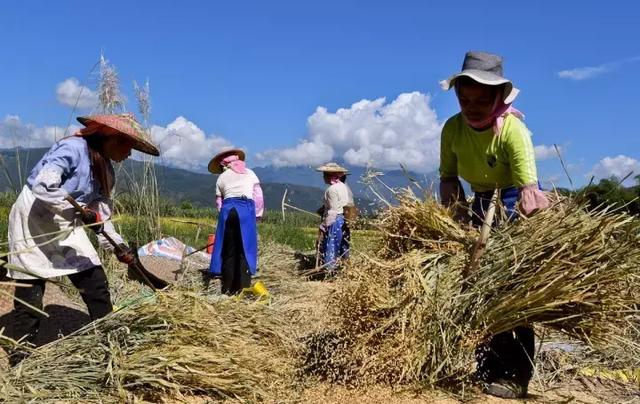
(21, 170)
(111, 100)
(144, 202)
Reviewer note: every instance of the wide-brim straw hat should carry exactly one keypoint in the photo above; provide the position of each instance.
(332, 168)
(485, 68)
(215, 165)
(126, 125)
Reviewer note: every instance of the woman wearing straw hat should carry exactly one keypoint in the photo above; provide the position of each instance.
(489, 146)
(240, 203)
(46, 239)
(334, 230)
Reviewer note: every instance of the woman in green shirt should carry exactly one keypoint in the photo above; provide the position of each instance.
(489, 146)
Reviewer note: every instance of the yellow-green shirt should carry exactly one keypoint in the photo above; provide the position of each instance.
(487, 161)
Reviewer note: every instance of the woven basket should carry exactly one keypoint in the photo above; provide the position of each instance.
(167, 269)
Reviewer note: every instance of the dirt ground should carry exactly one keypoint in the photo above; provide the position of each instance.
(587, 391)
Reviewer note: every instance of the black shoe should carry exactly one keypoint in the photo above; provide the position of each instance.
(16, 358)
(506, 389)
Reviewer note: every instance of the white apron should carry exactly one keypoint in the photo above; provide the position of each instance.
(47, 256)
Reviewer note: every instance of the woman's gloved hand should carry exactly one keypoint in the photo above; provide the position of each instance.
(125, 255)
(89, 217)
(532, 199)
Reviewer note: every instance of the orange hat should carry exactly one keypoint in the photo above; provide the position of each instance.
(124, 124)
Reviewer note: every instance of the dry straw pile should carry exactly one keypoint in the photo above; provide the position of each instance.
(413, 312)
(188, 341)
(166, 345)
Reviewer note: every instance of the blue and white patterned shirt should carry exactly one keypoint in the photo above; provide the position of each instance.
(67, 165)
(66, 170)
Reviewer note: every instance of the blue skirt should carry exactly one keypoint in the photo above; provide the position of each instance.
(508, 197)
(246, 209)
(335, 244)
(481, 201)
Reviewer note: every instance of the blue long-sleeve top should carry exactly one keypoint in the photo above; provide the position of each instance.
(66, 170)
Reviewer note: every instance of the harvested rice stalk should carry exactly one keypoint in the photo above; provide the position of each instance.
(400, 321)
(169, 344)
(563, 267)
(423, 224)
(414, 317)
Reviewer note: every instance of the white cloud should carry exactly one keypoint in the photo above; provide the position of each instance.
(15, 133)
(589, 72)
(545, 152)
(72, 94)
(383, 134)
(305, 153)
(584, 73)
(185, 145)
(182, 143)
(619, 167)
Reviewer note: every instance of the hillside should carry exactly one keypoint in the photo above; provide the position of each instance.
(177, 184)
(307, 176)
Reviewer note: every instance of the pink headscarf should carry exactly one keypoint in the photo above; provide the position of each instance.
(234, 163)
(500, 112)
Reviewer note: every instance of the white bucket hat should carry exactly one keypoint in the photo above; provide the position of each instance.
(485, 68)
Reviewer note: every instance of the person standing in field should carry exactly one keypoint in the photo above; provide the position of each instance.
(489, 146)
(46, 238)
(334, 234)
(240, 204)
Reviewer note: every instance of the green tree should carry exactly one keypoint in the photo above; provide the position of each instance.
(609, 192)
(186, 205)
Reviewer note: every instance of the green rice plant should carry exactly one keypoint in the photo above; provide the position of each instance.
(295, 237)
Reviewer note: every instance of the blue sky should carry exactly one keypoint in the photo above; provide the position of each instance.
(253, 73)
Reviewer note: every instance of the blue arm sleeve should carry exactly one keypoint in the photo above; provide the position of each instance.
(59, 163)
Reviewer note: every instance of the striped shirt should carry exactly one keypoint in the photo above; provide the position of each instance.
(487, 161)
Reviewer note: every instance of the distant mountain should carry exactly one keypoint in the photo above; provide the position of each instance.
(305, 185)
(15, 166)
(177, 184)
(309, 177)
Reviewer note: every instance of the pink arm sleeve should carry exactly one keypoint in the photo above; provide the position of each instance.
(218, 203)
(258, 198)
(532, 199)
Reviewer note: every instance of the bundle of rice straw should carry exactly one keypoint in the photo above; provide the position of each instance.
(419, 224)
(166, 345)
(412, 313)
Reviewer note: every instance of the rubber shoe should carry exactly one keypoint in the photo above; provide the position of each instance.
(16, 358)
(506, 389)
